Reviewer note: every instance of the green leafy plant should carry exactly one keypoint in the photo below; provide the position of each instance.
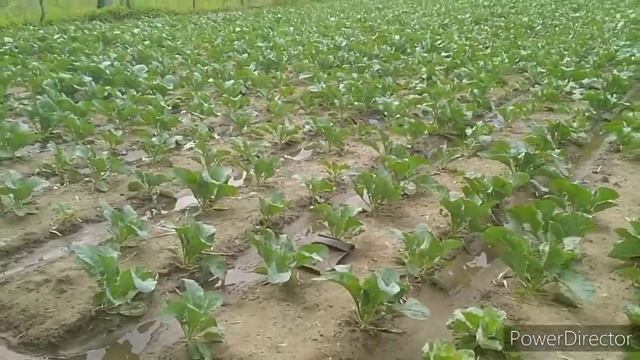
(272, 205)
(117, 288)
(113, 139)
(157, 147)
(100, 166)
(537, 265)
(550, 137)
(333, 137)
(423, 251)
(624, 132)
(16, 192)
(66, 214)
(627, 248)
(341, 220)
(412, 129)
(281, 257)
(196, 241)
(441, 350)
(491, 190)
(125, 224)
(380, 294)
(208, 186)
(281, 133)
(334, 170)
(543, 220)
(318, 186)
(580, 198)
(208, 156)
(444, 155)
(241, 121)
(381, 143)
(14, 136)
(62, 164)
(193, 310)
(633, 314)
(466, 215)
(410, 173)
(519, 158)
(264, 168)
(148, 182)
(480, 329)
(78, 127)
(247, 151)
(376, 188)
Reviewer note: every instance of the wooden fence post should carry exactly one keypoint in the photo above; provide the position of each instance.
(43, 12)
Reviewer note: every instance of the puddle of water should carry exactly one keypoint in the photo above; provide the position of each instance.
(469, 284)
(56, 248)
(127, 347)
(583, 162)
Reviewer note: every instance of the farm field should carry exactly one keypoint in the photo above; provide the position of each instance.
(335, 180)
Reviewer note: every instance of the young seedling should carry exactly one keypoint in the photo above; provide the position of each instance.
(264, 168)
(245, 150)
(158, 146)
(545, 222)
(148, 182)
(444, 155)
(241, 121)
(412, 129)
(196, 241)
(334, 170)
(44, 116)
(333, 137)
(519, 158)
(376, 189)
(272, 205)
(627, 249)
(125, 224)
(100, 166)
(440, 350)
(423, 251)
(466, 215)
(537, 265)
(66, 214)
(478, 329)
(410, 173)
(61, 166)
(280, 133)
(567, 194)
(624, 133)
(633, 314)
(318, 186)
(117, 288)
(207, 186)
(16, 192)
(491, 190)
(193, 310)
(78, 127)
(281, 257)
(13, 137)
(382, 293)
(113, 139)
(341, 220)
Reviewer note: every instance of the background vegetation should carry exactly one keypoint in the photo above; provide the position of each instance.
(28, 11)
